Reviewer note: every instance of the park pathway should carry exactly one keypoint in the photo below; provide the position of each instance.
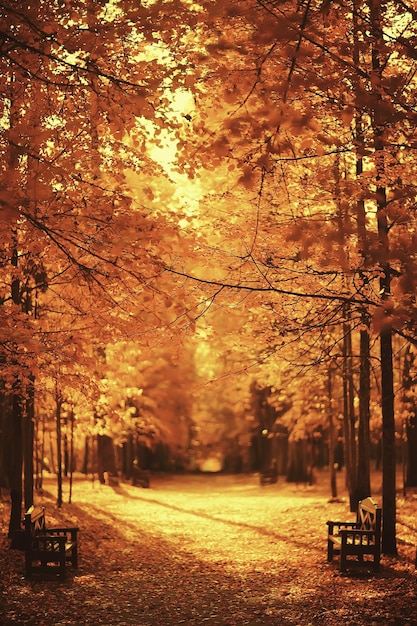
(197, 550)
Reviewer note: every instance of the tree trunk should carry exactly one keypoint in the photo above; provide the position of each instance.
(58, 446)
(389, 545)
(84, 468)
(411, 423)
(28, 469)
(349, 414)
(363, 486)
(40, 450)
(106, 457)
(16, 464)
(4, 446)
(364, 440)
(16, 451)
(128, 457)
(332, 439)
(299, 462)
(28, 440)
(52, 453)
(71, 454)
(66, 450)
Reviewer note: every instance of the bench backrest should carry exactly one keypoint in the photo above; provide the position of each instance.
(35, 520)
(369, 515)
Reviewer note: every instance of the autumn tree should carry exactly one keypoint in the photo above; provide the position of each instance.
(301, 83)
(289, 129)
(78, 84)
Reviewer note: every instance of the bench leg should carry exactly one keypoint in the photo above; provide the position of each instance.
(329, 550)
(74, 557)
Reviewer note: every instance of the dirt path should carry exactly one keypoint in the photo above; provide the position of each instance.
(214, 550)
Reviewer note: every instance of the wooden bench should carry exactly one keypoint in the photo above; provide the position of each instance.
(358, 539)
(269, 475)
(140, 477)
(48, 550)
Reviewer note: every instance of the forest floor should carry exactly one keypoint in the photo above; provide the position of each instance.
(208, 549)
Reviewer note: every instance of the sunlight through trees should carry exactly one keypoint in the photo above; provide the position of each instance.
(209, 231)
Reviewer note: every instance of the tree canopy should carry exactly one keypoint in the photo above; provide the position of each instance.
(211, 191)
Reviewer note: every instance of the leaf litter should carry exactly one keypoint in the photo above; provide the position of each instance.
(208, 549)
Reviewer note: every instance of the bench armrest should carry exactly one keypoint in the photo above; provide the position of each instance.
(46, 536)
(48, 542)
(356, 532)
(341, 526)
(63, 532)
